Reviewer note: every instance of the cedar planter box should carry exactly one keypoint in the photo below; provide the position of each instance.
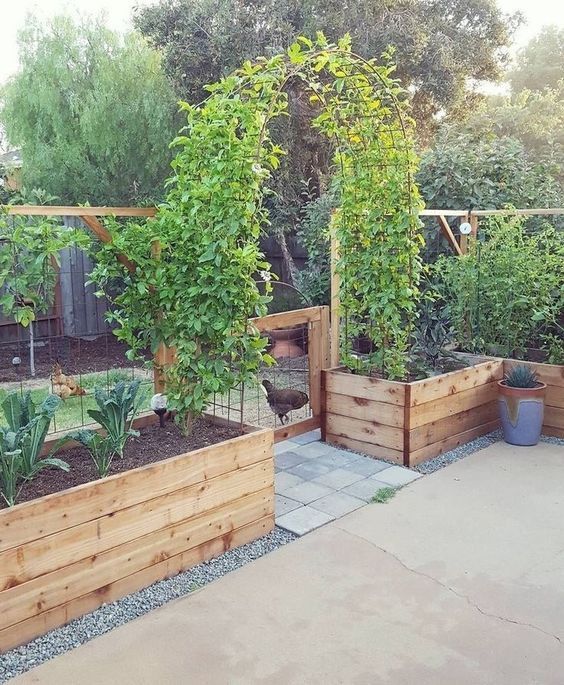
(68, 553)
(410, 422)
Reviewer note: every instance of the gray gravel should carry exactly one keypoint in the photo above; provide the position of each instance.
(469, 448)
(110, 616)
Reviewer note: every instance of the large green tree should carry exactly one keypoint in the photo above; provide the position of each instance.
(540, 64)
(440, 44)
(92, 111)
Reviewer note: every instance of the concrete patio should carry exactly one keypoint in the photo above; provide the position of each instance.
(458, 580)
(317, 483)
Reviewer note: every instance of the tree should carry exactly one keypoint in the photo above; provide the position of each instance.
(540, 64)
(440, 44)
(92, 111)
(465, 170)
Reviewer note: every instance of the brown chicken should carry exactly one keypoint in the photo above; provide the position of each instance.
(65, 386)
(284, 401)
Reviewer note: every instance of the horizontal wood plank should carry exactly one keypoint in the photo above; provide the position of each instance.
(366, 410)
(449, 384)
(299, 428)
(61, 586)
(385, 453)
(38, 518)
(389, 392)
(554, 396)
(551, 374)
(436, 448)
(25, 562)
(441, 429)
(553, 431)
(58, 210)
(37, 625)
(451, 405)
(365, 431)
(554, 417)
(271, 322)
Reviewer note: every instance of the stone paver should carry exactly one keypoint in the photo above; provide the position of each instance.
(308, 492)
(396, 475)
(326, 481)
(284, 504)
(338, 479)
(365, 489)
(304, 520)
(337, 504)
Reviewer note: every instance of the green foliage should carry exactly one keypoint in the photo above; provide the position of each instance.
(101, 448)
(117, 408)
(440, 46)
(384, 495)
(554, 345)
(313, 233)
(92, 111)
(433, 330)
(480, 170)
(22, 440)
(521, 377)
(29, 423)
(540, 64)
(508, 291)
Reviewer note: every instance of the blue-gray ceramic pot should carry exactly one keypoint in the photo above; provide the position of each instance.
(522, 413)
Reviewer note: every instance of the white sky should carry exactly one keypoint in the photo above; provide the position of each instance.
(12, 18)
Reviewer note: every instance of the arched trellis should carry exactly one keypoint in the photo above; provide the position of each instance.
(359, 106)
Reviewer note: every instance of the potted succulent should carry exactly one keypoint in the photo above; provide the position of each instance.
(521, 406)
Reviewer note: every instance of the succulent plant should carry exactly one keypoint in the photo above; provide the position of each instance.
(521, 377)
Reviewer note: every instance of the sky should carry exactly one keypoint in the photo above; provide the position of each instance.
(537, 12)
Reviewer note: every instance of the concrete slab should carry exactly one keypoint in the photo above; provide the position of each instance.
(313, 449)
(337, 504)
(288, 459)
(308, 492)
(310, 469)
(282, 505)
(284, 480)
(365, 489)
(368, 466)
(306, 438)
(397, 475)
(338, 478)
(304, 520)
(284, 446)
(458, 580)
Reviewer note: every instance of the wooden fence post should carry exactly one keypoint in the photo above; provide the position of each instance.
(318, 357)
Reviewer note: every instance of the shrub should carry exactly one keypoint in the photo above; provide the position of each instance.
(506, 293)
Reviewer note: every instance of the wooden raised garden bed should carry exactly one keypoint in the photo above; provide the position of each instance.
(410, 422)
(68, 553)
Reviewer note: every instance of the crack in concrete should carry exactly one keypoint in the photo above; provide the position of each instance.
(450, 589)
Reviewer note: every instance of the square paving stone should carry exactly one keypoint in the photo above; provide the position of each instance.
(338, 478)
(306, 438)
(314, 450)
(338, 504)
(288, 459)
(303, 520)
(282, 505)
(284, 480)
(365, 489)
(365, 466)
(310, 469)
(307, 492)
(396, 475)
(338, 459)
(284, 446)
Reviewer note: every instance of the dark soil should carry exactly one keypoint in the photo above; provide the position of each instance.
(154, 444)
(75, 355)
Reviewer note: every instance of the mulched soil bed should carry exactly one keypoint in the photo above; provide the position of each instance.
(154, 444)
(76, 356)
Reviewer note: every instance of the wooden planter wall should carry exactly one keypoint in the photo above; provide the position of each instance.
(66, 554)
(410, 422)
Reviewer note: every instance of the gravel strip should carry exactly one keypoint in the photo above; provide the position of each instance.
(480, 443)
(112, 615)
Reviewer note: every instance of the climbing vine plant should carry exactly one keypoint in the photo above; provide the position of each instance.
(191, 283)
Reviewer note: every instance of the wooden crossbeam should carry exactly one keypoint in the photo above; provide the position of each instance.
(47, 210)
(105, 236)
(446, 230)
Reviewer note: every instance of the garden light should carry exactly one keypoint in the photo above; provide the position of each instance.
(159, 406)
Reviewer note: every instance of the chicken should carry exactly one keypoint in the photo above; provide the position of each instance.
(284, 401)
(65, 386)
